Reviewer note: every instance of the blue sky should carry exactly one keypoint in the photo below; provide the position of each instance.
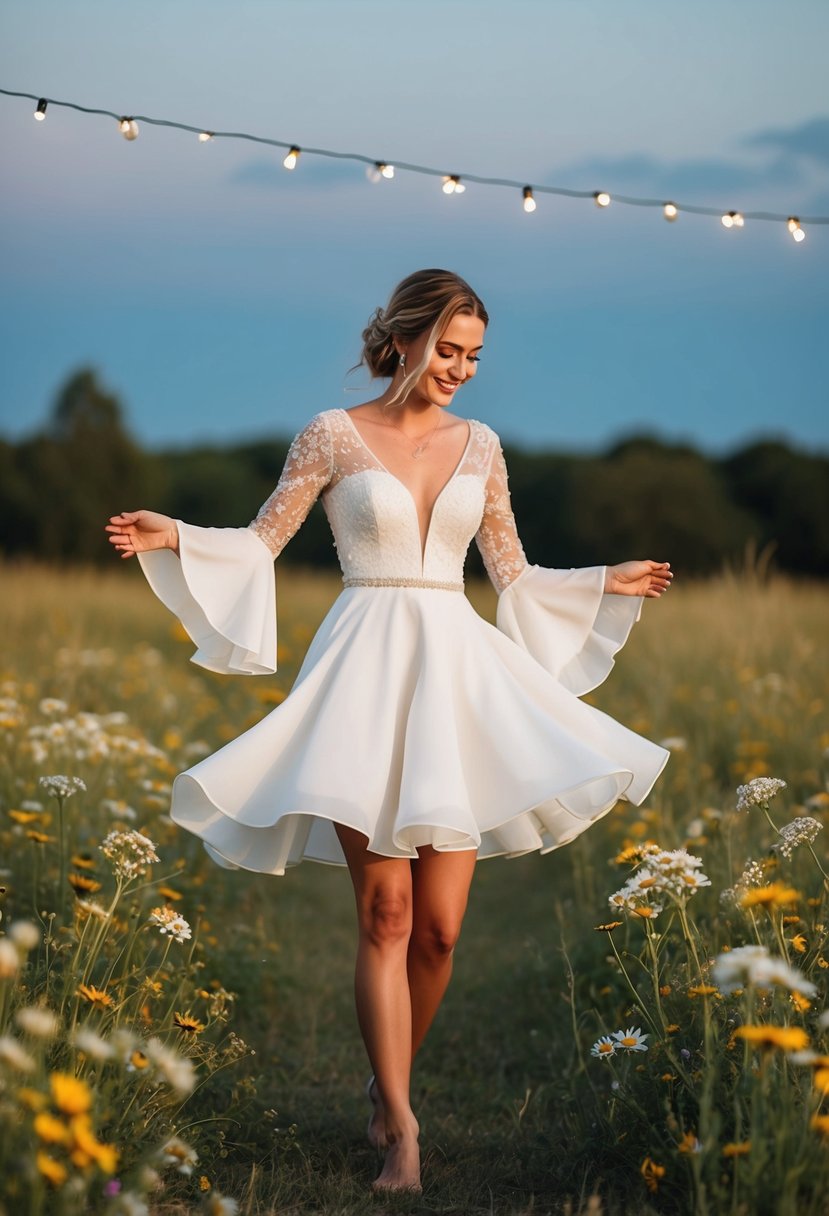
(222, 298)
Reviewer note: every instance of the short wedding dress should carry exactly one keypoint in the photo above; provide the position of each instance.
(412, 720)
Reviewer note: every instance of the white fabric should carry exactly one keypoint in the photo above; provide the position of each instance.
(412, 720)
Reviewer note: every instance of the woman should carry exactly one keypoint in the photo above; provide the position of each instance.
(417, 737)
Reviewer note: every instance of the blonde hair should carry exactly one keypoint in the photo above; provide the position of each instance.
(426, 300)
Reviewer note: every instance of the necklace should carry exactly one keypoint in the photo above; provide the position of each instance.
(423, 443)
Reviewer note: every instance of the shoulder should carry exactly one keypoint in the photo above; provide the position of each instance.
(484, 436)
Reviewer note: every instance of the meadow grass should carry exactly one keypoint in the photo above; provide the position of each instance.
(516, 1114)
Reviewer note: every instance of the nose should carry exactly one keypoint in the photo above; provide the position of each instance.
(458, 366)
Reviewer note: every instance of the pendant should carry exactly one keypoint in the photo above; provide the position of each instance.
(418, 452)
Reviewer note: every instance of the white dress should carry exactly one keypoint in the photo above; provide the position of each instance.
(412, 719)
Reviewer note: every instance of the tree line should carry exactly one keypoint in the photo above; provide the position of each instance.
(640, 497)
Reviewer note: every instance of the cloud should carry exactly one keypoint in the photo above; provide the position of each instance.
(810, 140)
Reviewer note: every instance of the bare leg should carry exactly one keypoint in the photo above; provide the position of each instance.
(383, 893)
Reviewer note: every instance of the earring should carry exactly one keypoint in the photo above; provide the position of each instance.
(403, 365)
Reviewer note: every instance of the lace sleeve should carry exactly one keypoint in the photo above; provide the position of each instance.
(308, 469)
(497, 536)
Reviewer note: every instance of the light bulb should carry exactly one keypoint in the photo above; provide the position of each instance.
(670, 211)
(128, 128)
(452, 185)
(205, 137)
(529, 201)
(793, 225)
(386, 171)
(291, 159)
(799, 235)
(379, 170)
(40, 112)
(732, 219)
(601, 198)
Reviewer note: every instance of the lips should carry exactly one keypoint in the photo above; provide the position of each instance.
(447, 386)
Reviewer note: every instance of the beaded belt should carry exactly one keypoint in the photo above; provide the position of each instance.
(432, 584)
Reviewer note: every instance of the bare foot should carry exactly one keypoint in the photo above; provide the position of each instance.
(401, 1169)
(376, 1130)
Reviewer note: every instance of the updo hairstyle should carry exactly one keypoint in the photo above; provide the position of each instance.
(427, 299)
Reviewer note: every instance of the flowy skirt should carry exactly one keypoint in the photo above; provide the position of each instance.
(415, 722)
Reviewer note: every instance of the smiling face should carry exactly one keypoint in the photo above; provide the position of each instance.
(454, 360)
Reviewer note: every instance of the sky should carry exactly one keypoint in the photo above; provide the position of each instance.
(222, 298)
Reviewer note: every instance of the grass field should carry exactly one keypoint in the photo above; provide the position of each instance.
(517, 1116)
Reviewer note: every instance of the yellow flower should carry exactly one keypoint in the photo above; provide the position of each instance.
(83, 861)
(105, 1155)
(772, 895)
(665, 990)
(800, 1002)
(703, 990)
(95, 996)
(32, 1098)
(689, 1144)
(51, 1170)
(787, 1038)
(672, 1029)
(668, 1076)
(821, 962)
(81, 884)
(822, 1081)
(737, 1150)
(50, 1129)
(204, 1183)
(70, 1094)
(627, 855)
(821, 1124)
(170, 893)
(799, 943)
(24, 816)
(789, 920)
(187, 1023)
(651, 1172)
(613, 924)
(39, 837)
(138, 1059)
(646, 913)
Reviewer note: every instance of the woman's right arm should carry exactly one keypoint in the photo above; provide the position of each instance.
(134, 532)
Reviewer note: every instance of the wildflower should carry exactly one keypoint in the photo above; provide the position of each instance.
(651, 1172)
(91, 1044)
(220, 1205)
(14, 1055)
(62, 787)
(33, 1099)
(787, 1038)
(737, 1150)
(633, 852)
(800, 1002)
(50, 1129)
(137, 1061)
(804, 828)
(755, 966)
(83, 883)
(187, 1023)
(647, 911)
(170, 894)
(758, 792)
(40, 1023)
(703, 990)
(630, 1039)
(689, 1144)
(821, 1081)
(9, 959)
(130, 1204)
(176, 1152)
(610, 926)
(775, 893)
(39, 837)
(603, 1048)
(70, 1094)
(83, 861)
(95, 996)
(664, 989)
(88, 907)
(823, 1020)
(51, 705)
(105, 1156)
(672, 1028)
(24, 934)
(178, 1071)
(820, 1123)
(130, 852)
(51, 1170)
(204, 1183)
(24, 816)
(171, 922)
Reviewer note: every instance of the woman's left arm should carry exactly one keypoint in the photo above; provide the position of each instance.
(650, 579)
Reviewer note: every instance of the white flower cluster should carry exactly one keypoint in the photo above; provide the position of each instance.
(180, 1154)
(169, 921)
(752, 876)
(160, 1061)
(129, 852)
(62, 787)
(86, 736)
(804, 828)
(620, 1040)
(672, 873)
(753, 966)
(758, 792)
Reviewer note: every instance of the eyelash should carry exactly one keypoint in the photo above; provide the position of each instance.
(472, 358)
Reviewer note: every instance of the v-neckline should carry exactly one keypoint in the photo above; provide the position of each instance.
(424, 540)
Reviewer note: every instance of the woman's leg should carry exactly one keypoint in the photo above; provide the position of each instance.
(383, 893)
(440, 890)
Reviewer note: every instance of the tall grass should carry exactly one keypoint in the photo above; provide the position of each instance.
(145, 1070)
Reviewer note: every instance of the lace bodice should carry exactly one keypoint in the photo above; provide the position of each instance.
(373, 515)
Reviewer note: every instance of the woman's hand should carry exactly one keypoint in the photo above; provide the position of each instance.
(638, 578)
(134, 532)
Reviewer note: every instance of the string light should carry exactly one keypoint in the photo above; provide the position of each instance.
(529, 201)
(452, 183)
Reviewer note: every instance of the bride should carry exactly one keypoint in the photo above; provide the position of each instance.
(417, 738)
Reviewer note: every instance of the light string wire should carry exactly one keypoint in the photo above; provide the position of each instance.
(427, 170)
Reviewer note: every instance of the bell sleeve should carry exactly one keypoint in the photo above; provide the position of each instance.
(563, 618)
(222, 584)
